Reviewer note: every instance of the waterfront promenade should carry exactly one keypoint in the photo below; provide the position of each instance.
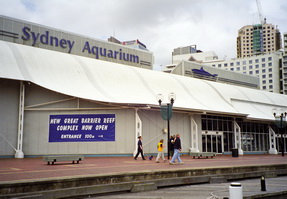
(19, 174)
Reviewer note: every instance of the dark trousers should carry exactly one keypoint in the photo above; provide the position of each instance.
(171, 152)
(140, 151)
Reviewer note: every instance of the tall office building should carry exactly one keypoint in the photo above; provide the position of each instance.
(283, 71)
(257, 39)
(267, 67)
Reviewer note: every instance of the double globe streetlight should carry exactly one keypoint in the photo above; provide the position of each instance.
(166, 114)
(280, 121)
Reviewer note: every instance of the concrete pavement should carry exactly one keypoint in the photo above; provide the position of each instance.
(107, 174)
(275, 187)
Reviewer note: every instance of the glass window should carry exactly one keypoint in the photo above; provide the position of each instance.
(256, 66)
(219, 65)
(263, 59)
(250, 61)
(270, 80)
(263, 70)
(244, 62)
(238, 63)
(270, 75)
(225, 65)
(250, 67)
(264, 82)
(263, 65)
(232, 69)
(238, 68)
(270, 69)
(231, 64)
(264, 87)
(213, 65)
(203, 123)
(244, 67)
(270, 86)
(220, 125)
(263, 76)
(215, 124)
(257, 71)
(270, 64)
(256, 60)
(251, 72)
(269, 58)
(209, 125)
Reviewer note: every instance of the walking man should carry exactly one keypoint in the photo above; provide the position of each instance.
(171, 144)
(177, 149)
(140, 148)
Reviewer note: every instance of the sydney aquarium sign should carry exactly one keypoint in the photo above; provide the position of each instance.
(47, 39)
(98, 52)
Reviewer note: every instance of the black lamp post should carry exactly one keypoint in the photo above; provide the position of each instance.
(166, 114)
(280, 121)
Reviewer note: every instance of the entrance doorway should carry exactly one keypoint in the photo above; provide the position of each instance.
(212, 142)
(279, 143)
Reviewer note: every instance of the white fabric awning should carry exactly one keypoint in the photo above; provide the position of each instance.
(116, 83)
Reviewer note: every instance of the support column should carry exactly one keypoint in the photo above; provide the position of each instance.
(19, 150)
(138, 130)
(237, 138)
(194, 135)
(272, 142)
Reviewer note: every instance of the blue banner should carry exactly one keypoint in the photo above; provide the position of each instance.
(82, 128)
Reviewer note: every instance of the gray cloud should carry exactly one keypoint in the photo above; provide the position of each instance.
(162, 24)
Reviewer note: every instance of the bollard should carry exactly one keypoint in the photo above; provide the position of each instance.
(263, 184)
(235, 191)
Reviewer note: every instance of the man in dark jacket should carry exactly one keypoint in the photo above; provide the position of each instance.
(140, 148)
(171, 145)
(177, 149)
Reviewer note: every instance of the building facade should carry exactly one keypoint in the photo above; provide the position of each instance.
(203, 71)
(267, 67)
(191, 53)
(257, 39)
(283, 71)
(31, 34)
(60, 103)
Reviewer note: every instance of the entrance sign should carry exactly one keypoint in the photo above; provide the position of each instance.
(82, 128)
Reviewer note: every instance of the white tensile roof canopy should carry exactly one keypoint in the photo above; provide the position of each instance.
(103, 81)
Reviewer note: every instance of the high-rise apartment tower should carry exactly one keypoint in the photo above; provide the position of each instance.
(257, 39)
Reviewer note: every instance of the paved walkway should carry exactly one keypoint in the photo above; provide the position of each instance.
(209, 191)
(31, 169)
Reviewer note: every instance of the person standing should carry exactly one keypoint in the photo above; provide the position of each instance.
(160, 153)
(171, 144)
(140, 148)
(177, 149)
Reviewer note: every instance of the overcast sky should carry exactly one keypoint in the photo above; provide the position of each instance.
(161, 25)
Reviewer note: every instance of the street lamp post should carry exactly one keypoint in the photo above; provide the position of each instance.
(166, 114)
(280, 120)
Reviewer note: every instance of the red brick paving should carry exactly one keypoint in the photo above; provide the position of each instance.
(27, 169)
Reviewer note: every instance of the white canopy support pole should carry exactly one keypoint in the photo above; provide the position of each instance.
(138, 130)
(237, 138)
(19, 150)
(272, 142)
(194, 135)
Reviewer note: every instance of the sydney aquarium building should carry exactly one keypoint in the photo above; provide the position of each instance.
(63, 93)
